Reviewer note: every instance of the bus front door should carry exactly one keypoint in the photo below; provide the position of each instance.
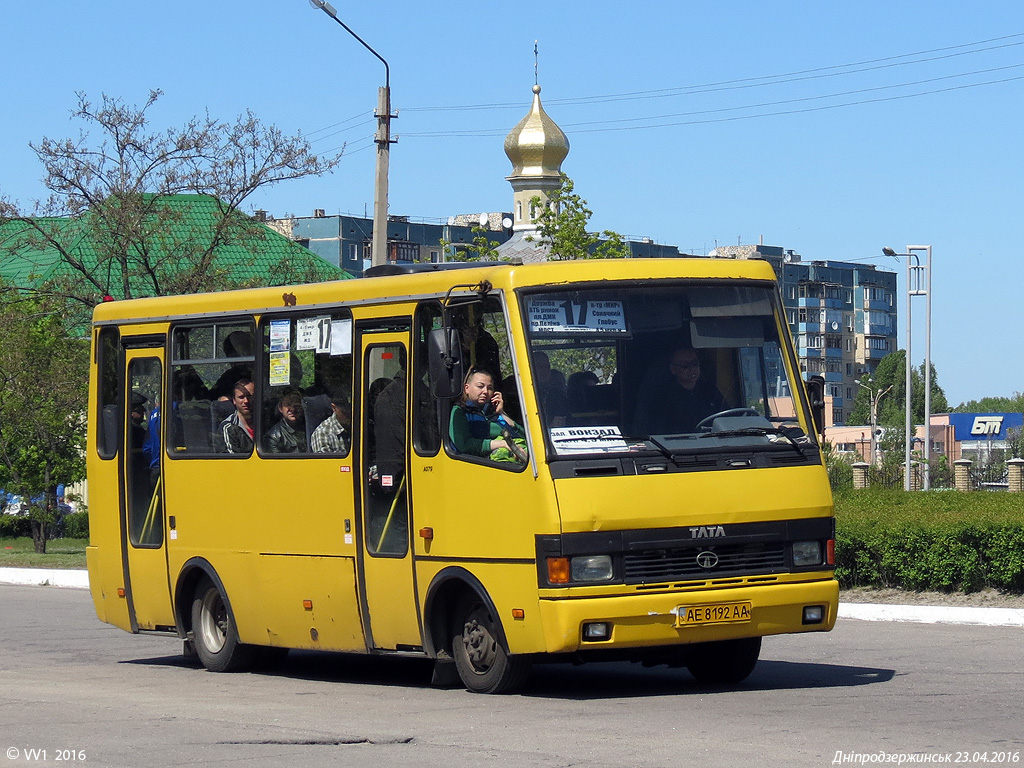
(143, 537)
(390, 608)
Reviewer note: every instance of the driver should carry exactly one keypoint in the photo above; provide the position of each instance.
(676, 399)
(478, 424)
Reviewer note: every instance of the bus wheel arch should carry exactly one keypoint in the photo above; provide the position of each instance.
(463, 625)
(192, 571)
(443, 596)
(207, 621)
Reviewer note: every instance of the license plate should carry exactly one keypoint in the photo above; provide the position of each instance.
(720, 613)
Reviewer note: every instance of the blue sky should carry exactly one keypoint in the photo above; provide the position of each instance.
(831, 129)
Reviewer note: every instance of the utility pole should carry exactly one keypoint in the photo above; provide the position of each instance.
(379, 249)
(379, 252)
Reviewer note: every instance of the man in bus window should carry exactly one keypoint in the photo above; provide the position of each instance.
(289, 434)
(331, 436)
(674, 400)
(237, 344)
(237, 429)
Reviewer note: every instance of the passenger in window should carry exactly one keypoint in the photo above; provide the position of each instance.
(237, 429)
(236, 344)
(478, 346)
(137, 434)
(675, 399)
(289, 434)
(551, 389)
(478, 425)
(332, 435)
(578, 386)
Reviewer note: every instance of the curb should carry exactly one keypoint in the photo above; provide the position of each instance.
(39, 577)
(933, 614)
(919, 614)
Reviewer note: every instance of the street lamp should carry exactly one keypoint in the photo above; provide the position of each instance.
(378, 252)
(876, 396)
(919, 283)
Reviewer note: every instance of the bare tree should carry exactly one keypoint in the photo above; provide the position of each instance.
(112, 218)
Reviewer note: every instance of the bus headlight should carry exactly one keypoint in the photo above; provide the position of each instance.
(592, 568)
(806, 553)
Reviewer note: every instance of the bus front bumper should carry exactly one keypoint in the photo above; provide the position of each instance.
(655, 619)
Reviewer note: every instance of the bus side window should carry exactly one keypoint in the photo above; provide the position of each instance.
(427, 410)
(307, 364)
(470, 428)
(107, 434)
(206, 362)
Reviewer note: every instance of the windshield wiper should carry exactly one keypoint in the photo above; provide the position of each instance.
(763, 431)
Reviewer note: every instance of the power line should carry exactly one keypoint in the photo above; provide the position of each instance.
(798, 100)
(502, 132)
(362, 114)
(750, 82)
(342, 130)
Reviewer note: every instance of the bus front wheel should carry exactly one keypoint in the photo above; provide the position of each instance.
(213, 629)
(725, 661)
(481, 659)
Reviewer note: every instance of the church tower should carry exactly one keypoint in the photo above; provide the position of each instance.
(536, 148)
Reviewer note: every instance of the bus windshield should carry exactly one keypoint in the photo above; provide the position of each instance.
(678, 368)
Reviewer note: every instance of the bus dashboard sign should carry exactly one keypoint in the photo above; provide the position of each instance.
(565, 316)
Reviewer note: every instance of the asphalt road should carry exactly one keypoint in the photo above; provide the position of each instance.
(92, 695)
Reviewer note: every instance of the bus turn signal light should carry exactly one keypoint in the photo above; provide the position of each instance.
(830, 552)
(307, 604)
(120, 591)
(558, 570)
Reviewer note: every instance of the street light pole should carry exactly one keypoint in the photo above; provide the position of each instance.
(875, 397)
(924, 287)
(378, 252)
(919, 283)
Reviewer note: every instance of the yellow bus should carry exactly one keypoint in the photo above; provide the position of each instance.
(289, 468)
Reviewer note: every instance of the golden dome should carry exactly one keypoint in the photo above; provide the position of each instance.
(536, 146)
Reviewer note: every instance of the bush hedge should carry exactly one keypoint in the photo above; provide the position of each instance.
(76, 525)
(942, 540)
(14, 526)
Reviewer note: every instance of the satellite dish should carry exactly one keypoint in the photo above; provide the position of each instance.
(835, 326)
(484, 219)
(506, 222)
(451, 221)
(787, 257)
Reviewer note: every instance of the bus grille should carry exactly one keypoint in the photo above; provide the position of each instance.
(667, 564)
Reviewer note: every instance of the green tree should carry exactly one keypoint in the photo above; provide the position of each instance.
(1015, 443)
(891, 374)
(562, 223)
(1012, 404)
(112, 190)
(482, 248)
(43, 379)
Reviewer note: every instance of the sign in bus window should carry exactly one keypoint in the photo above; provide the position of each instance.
(307, 389)
(563, 314)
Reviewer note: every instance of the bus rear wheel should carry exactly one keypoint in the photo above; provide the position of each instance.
(723, 662)
(481, 659)
(215, 636)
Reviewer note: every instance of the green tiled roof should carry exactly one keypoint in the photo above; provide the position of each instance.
(25, 260)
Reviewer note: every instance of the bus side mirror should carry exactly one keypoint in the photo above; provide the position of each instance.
(816, 397)
(444, 351)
